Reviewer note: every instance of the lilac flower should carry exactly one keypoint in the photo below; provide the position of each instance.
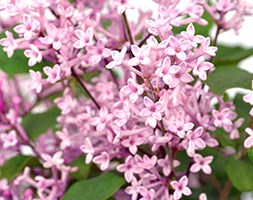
(248, 143)
(129, 168)
(101, 121)
(147, 194)
(121, 5)
(132, 143)
(117, 57)
(141, 55)
(134, 189)
(84, 38)
(189, 35)
(221, 118)
(194, 140)
(55, 36)
(180, 188)
(66, 103)
(206, 48)
(64, 137)
(55, 160)
(33, 54)
(132, 89)
(28, 28)
(165, 165)
(152, 111)
(146, 162)
(201, 68)
(88, 149)
(54, 74)
(102, 160)
(36, 81)
(9, 140)
(177, 48)
(201, 163)
(9, 43)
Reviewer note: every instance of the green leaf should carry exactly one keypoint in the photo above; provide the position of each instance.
(250, 153)
(227, 55)
(83, 168)
(15, 165)
(242, 109)
(36, 124)
(99, 188)
(228, 76)
(18, 63)
(240, 173)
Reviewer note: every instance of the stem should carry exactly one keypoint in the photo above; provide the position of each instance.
(144, 40)
(130, 37)
(225, 192)
(84, 88)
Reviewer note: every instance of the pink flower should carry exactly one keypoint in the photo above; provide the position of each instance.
(98, 52)
(180, 188)
(33, 54)
(201, 163)
(129, 168)
(132, 89)
(134, 189)
(88, 149)
(248, 143)
(132, 142)
(9, 43)
(147, 194)
(146, 162)
(121, 5)
(152, 111)
(84, 38)
(55, 160)
(180, 127)
(66, 103)
(117, 57)
(201, 68)
(28, 28)
(194, 140)
(141, 55)
(10, 139)
(64, 137)
(55, 36)
(54, 74)
(101, 121)
(221, 118)
(102, 160)
(165, 165)
(189, 35)
(206, 48)
(36, 81)
(177, 48)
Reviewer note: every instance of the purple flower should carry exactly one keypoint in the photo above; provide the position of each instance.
(9, 43)
(132, 89)
(201, 163)
(152, 111)
(84, 38)
(101, 121)
(55, 160)
(36, 81)
(102, 160)
(33, 54)
(248, 143)
(180, 188)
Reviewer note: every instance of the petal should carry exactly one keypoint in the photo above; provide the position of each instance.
(148, 102)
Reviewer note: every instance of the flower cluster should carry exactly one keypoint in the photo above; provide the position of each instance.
(146, 104)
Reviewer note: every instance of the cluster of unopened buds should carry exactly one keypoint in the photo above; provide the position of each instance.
(145, 106)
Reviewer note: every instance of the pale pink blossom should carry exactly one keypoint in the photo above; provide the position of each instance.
(103, 160)
(180, 188)
(36, 81)
(9, 44)
(201, 163)
(248, 143)
(103, 119)
(132, 89)
(152, 111)
(141, 55)
(117, 58)
(33, 54)
(84, 38)
(51, 161)
(29, 27)
(54, 74)
(88, 149)
(10, 139)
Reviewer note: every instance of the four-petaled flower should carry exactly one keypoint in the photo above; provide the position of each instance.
(10, 139)
(117, 57)
(152, 111)
(51, 161)
(84, 38)
(180, 188)
(201, 163)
